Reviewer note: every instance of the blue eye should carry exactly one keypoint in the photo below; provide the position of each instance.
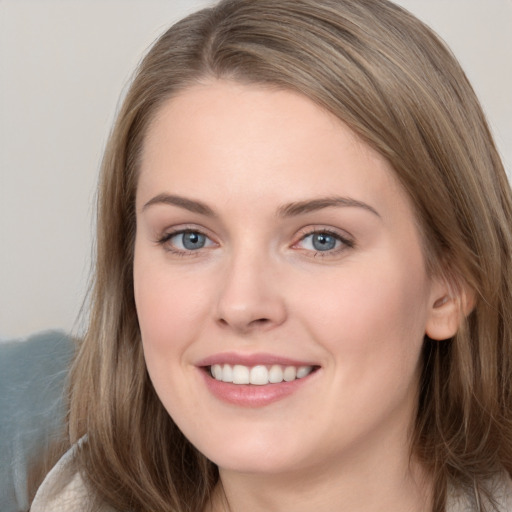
(185, 241)
(192, 240)
(323, 242)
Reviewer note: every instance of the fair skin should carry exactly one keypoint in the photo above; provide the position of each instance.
(269, 235)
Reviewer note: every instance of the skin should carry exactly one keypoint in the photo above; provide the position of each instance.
(359, 312)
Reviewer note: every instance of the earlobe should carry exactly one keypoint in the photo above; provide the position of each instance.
(447, 312)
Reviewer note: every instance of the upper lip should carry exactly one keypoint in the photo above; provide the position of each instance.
(255, 359)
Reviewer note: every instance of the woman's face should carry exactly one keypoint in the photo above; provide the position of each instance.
(276, 250)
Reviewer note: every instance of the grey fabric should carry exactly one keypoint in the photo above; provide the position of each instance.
(32, 377)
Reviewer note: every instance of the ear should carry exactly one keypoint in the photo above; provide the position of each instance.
(449, 305)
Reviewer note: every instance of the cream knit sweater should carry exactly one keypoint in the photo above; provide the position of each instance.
(74, 497)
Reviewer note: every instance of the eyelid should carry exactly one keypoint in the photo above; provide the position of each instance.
(171, 232)
(347, 241)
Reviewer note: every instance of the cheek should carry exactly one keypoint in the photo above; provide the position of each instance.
(372, 325)
(169, 309)
(373, 313)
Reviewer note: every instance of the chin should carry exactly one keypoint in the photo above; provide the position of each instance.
(249, 452)
(255, 463)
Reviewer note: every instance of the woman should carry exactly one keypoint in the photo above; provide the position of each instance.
(302, 291)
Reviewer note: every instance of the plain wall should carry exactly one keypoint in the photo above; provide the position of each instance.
(63, 65)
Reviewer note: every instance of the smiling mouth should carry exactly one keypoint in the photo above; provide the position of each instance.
(259, 375)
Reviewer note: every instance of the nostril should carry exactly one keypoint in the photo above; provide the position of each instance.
(261, 321)
(245, 325)
(258, 322)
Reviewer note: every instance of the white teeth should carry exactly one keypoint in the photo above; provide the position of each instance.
(240, 374)
(217, 371)
(227, 373)
(303, 371)
(275, 375)
(258, 375)
(290, 373)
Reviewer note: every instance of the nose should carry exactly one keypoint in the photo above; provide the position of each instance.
(251, 296)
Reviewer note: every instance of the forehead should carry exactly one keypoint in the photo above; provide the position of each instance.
(253, 141)
(231, 109)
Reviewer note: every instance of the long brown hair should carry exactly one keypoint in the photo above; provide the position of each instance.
(395, 84)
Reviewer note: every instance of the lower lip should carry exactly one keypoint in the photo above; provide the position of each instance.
(250, 395)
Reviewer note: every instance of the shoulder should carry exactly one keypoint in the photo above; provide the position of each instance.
(500, 489)
(64, 490)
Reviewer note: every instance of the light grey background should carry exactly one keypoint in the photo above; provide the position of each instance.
(63, 65)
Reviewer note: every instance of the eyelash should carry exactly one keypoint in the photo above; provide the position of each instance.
(164, 241)
(345, 243)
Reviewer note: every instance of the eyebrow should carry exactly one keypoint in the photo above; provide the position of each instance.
(301, 207)
(288, 210)
(188, 204)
